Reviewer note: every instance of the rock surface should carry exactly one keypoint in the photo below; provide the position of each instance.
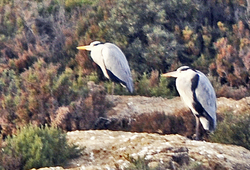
(129, 105)
(108, 149)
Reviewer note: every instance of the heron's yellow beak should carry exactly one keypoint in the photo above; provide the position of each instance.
(170, 74)
(87, 47)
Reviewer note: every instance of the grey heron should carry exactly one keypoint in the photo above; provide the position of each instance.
(198, 94)
(112, 62)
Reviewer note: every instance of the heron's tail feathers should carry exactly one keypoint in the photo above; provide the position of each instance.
(130, 86)
(208, 125)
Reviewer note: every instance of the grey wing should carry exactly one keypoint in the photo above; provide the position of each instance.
(206, 95)
(116, 62)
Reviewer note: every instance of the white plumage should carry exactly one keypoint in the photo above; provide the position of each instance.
(198, 94)
(112, 62)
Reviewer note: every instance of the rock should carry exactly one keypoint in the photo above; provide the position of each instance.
(236, 106)
(51, 168)
(131, 105)
(126, 106)
(109, 150)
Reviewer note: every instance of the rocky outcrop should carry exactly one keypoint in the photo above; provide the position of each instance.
(130, 105)
(109, 149)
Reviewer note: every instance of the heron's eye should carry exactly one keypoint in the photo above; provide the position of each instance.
(184, 69)
(97, 43)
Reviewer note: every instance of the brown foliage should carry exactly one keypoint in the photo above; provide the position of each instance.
(83, 114)
(182, 122)
(232, 60)
(157, 123)
(230, 92)
(10, 162)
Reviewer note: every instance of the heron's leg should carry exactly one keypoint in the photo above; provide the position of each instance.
(197, 128)
(112, 90)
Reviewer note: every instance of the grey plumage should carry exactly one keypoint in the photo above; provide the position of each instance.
(112, 62)
(198, 94)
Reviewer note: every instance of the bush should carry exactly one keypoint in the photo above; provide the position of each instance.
(35, 147)
(234, 129)
(36, 94)
(154, 85)
(159, 122)
(181, 122)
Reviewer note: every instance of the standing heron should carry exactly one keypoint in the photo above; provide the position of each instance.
(198, 94)
(112, 62)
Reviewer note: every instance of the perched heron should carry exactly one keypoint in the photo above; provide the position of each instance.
(112, 62)
(198, 94)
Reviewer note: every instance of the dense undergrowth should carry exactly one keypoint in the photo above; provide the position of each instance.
(233, 129)
(44, 79)
(36, 147)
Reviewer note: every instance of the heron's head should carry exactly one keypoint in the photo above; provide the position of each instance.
(177, 72)
(89, 47)
(183, 68)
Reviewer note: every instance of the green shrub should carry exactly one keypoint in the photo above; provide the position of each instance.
(71, 4)
(154, 85)
(146, 85)
(234, 129)
(36, 147)
(163, 89)
(118, 89)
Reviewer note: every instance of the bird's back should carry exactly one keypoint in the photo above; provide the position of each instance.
(206, 96)
(117, 65)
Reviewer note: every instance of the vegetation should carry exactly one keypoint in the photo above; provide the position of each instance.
(159, 122)
(234, 129)
(141, 163)
(161, 35)
(35, 147)
(44, 78)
